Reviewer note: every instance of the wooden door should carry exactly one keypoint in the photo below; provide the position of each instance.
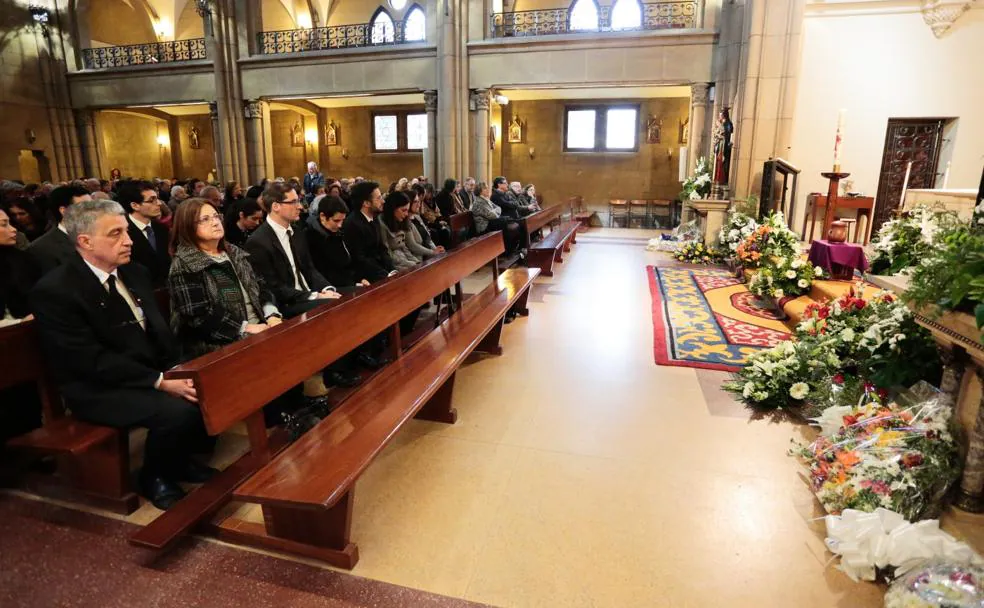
(907, 139)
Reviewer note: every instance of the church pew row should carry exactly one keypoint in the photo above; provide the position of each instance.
(463, 225)
(231, 390)
(93, 460)
(551, 248)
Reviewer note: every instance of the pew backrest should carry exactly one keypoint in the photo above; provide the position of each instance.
(22, 360)
(237, 380)
(462, 228)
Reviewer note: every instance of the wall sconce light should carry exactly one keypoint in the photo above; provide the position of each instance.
(163, 28)
(311, 136)
(532, 152)
(31, 136)
(502, 100)
(163, 141)
(669, 156)
(345, 153)
(304, 21)
(40, 16)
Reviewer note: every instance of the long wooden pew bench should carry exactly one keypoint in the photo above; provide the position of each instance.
(306, 492)
(551, 248)
(93, 460)
(535, 222)
(235, 382)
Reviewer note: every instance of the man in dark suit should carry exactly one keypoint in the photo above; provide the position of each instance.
(109, 344)
(281, 258)
(468, 193)
(150, 237)
(370, 259)
(507, 201)
(54, 248)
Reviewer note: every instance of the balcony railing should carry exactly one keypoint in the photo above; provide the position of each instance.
(334, 37)
(660, 15)
(173, 51)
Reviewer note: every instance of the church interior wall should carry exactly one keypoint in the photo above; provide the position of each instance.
(883, 66)
(189, 23)
(117, 23)
(275, 16)
(128, 142)
(345, 12)
(650, 173)
(201, 161)
(22, 100)
(288, 160)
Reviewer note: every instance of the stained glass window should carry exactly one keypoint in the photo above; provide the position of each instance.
(416, 131)
(384, 132)
(584, 15)
(416, 25)
(626, 15)
(382, 28)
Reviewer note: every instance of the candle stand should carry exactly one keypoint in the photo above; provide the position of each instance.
(831, 215)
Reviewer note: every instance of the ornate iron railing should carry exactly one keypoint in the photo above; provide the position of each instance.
(663, 14)
(144, 54)
(333, 37)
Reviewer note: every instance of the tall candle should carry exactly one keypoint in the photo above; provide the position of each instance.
(905, 184)
(683, 164)
(946, 174)
(839, 139)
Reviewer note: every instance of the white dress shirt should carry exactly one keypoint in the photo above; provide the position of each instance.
(284, 235)
(142, 227)
(103, 277)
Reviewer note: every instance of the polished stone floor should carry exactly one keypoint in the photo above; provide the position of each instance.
(580, 474)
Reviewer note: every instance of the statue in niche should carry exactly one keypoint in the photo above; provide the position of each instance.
(195, 137)
(721, 142)
(297, 135)
(684, 130)
(115, 175)
(515, 131)
(331, 134)
(654, 128)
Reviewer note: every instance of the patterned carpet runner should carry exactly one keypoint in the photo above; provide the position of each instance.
(704, 317)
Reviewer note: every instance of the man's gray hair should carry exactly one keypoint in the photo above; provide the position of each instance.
(81, 217)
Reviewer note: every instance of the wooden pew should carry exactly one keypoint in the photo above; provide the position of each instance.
(94, 460)
(462, 228)
(551, 248)
(306, 492)
(236, 381)
(537, 221)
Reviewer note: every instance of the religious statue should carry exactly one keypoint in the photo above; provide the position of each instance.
(297, 135)
(684, 130)
(115, 175)
(515, 131)
(195, 136)
(721, 142)
(331, 134)
(653, 130)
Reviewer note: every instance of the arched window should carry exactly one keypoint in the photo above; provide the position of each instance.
(583, 15)
(381, 26)
(415, 25)
(626, 15)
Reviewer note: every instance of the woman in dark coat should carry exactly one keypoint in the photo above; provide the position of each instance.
(326, 243)
(448, 201)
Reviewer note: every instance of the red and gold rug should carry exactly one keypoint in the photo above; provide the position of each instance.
(706, 318)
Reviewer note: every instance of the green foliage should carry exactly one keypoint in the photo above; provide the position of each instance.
(952, 276)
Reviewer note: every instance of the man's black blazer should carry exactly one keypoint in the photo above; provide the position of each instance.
(158, 263)
(51, 250)
(269, 260)
(90, 352)
(370, 258)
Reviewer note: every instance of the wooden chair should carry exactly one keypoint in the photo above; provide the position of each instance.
(661, 205)
(638, 210)
(618, 208)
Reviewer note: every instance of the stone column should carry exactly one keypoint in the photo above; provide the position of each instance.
(430, 153)
(448, 88)
(85, 120)
(480, 134)
(177, 155)
(972, 481)
(954, 363)
(255, 139)
(222, 167)
(699, 101)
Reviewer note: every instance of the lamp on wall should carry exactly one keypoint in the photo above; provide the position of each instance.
(40, 16)
(502, 100)
(532, 152)
(162, 140)
(345, 153)
(311, 136)
(163, 28)
(304, 21)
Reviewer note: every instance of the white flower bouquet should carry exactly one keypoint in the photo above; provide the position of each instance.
(785, 375)
(783, 277)
(737, 229)
(698, 185)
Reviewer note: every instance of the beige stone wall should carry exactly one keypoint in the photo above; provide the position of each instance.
(344, 12)
(189, 24)
(354, 136)
(116, 22)
(128, 142)
(275, 16)
(196, 163)
(598, 177)
(21, 106)
(288, 160)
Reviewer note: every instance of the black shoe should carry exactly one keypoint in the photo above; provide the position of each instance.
(342, 380)
(197, 472)
(368, 361)
(161, 493)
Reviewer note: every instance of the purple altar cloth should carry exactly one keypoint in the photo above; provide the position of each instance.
(826, 254)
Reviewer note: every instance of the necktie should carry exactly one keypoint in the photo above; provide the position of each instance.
(151, 237)
(117, 307)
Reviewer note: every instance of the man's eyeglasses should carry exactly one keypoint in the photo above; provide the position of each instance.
(209, 219)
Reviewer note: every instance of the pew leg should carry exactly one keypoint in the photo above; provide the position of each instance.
(395, 342)
(520, 306)
(322, 534)
(559, 255)
(102, 472)
(438, 407)
(542, 260)
(490, 343)
(574, 235)
(567, 243)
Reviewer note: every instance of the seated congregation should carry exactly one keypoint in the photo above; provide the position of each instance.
(183, 311)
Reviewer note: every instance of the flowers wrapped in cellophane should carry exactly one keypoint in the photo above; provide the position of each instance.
(939, 585)
(899, 455)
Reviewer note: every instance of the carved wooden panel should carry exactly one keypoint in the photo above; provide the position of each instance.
(917, 140)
